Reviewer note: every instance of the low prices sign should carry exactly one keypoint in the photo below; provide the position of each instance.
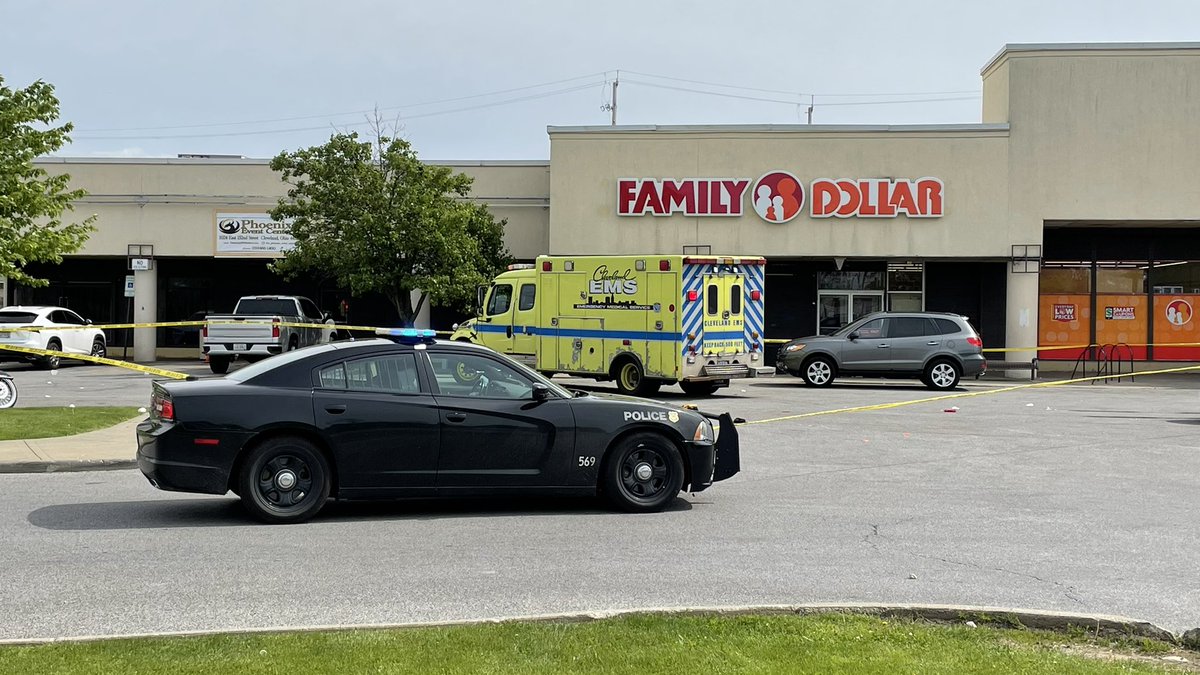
(1064, 313)
(778, 196)
(251, 235)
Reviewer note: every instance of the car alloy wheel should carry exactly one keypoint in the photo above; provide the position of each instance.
(98, 349)
(52, 362)
(818, 372)
(8, 393)
(943, 375)
(643, 473)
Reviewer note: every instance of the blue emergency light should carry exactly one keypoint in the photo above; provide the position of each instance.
(408, 336)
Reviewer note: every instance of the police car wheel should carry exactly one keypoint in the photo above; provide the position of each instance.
(284, 480)
(643, 473)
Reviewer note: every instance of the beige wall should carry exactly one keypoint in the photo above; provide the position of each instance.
(972, 162)
(170, 203)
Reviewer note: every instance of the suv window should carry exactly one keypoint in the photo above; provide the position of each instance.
(500, 300)
(906, 326)
(870, 329)
(18, 317)
(391, 374)
(528, 293)
(947, 327)
(475, 375)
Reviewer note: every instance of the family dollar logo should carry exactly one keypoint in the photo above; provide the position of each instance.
(1179, 312)
(778, 197)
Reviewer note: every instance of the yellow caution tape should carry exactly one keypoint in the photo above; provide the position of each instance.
(967, 394)
(99, 359)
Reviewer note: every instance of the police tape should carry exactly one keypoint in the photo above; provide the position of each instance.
(99, 359)
(966, 394)
(183, 324)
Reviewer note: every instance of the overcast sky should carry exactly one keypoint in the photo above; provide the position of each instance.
(225, 75)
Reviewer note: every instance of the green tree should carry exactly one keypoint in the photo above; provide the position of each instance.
(32, 202)
(375, 218)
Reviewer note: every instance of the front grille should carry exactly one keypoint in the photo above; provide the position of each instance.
(735, 370)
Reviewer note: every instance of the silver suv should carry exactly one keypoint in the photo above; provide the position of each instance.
(935, 347)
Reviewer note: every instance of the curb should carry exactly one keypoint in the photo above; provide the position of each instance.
(67, 466)
(1097, 624)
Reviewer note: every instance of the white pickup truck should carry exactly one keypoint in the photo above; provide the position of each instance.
(254, 330)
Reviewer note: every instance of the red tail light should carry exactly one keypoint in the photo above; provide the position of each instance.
(204, 330)
(756, 295)
(975, 342)
(664, 265)
(693, 296)
(275, 328)
(165, 408)
(547, 266)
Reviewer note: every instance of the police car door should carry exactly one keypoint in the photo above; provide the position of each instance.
(493, 434)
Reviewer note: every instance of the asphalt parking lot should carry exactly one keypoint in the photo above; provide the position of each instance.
(1080, 498)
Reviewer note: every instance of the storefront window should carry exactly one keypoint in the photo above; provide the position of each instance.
(1121, 280)
(850, 281)
(1066, 280)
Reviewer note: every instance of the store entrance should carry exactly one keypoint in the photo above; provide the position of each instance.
(838, 308)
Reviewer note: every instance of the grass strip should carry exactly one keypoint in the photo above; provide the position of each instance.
(27, 423)
(833, 643)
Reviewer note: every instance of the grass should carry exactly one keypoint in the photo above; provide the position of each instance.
(830, 643)
(26, 423)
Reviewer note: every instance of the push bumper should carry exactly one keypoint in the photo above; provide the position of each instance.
(715, 461)
(170, 462)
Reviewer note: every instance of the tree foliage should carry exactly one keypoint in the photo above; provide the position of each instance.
(375, 218)
(32, 202)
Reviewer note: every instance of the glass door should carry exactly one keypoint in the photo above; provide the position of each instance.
(838, 308)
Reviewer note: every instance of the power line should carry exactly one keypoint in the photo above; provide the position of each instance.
(347, 125)
(351, 112)
(796, 101)
(806, 93)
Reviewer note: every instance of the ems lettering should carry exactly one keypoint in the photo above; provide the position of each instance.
(876, 198)
(645, 416)
(604, 282)
(688, 196)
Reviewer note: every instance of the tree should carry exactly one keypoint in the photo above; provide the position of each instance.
(32, 202)
(375, 218)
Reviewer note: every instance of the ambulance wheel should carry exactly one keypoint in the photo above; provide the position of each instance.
(631, 378)
(643, 473)
(699, 388)
(463, 375)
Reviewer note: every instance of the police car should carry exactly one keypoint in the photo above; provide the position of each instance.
(406, 416)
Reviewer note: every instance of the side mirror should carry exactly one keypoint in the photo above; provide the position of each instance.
(480, 296)
(540, 392)
(324, 317)
(88, 321)
(853, 336)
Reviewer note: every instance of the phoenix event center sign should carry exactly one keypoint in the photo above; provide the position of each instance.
(778, 196)
(251, 235)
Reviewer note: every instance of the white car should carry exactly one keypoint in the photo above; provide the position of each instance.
(52, 337)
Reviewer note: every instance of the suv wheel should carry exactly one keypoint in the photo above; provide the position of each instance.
(941, 375)
(818, 371)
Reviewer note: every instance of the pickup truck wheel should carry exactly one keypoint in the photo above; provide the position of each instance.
(293, 343)
(643, 473)
(218, 364)
(284, 480)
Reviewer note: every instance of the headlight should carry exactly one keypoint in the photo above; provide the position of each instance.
(793, 348)
(704, 432)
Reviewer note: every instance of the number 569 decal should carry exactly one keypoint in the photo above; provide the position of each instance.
(587, 461)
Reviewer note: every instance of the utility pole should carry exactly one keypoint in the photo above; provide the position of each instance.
(613, 106)
(810, 108)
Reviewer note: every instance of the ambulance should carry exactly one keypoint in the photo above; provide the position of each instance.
(641, 320)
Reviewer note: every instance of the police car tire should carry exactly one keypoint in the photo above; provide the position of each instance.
(277, 454)
(656, 450)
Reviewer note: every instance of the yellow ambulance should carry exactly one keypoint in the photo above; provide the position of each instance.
(641, 320)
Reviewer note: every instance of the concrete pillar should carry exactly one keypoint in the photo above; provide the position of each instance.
(422, 318)
(1021, 325)
(145, 310)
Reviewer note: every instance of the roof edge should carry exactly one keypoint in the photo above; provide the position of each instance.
(789, 128)
(1016, 47)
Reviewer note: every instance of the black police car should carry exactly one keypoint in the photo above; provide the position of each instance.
(407, 416)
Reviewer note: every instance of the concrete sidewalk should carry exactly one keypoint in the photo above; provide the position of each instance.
(111, 448)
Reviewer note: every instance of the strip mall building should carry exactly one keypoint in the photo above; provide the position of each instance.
(1069, 215)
